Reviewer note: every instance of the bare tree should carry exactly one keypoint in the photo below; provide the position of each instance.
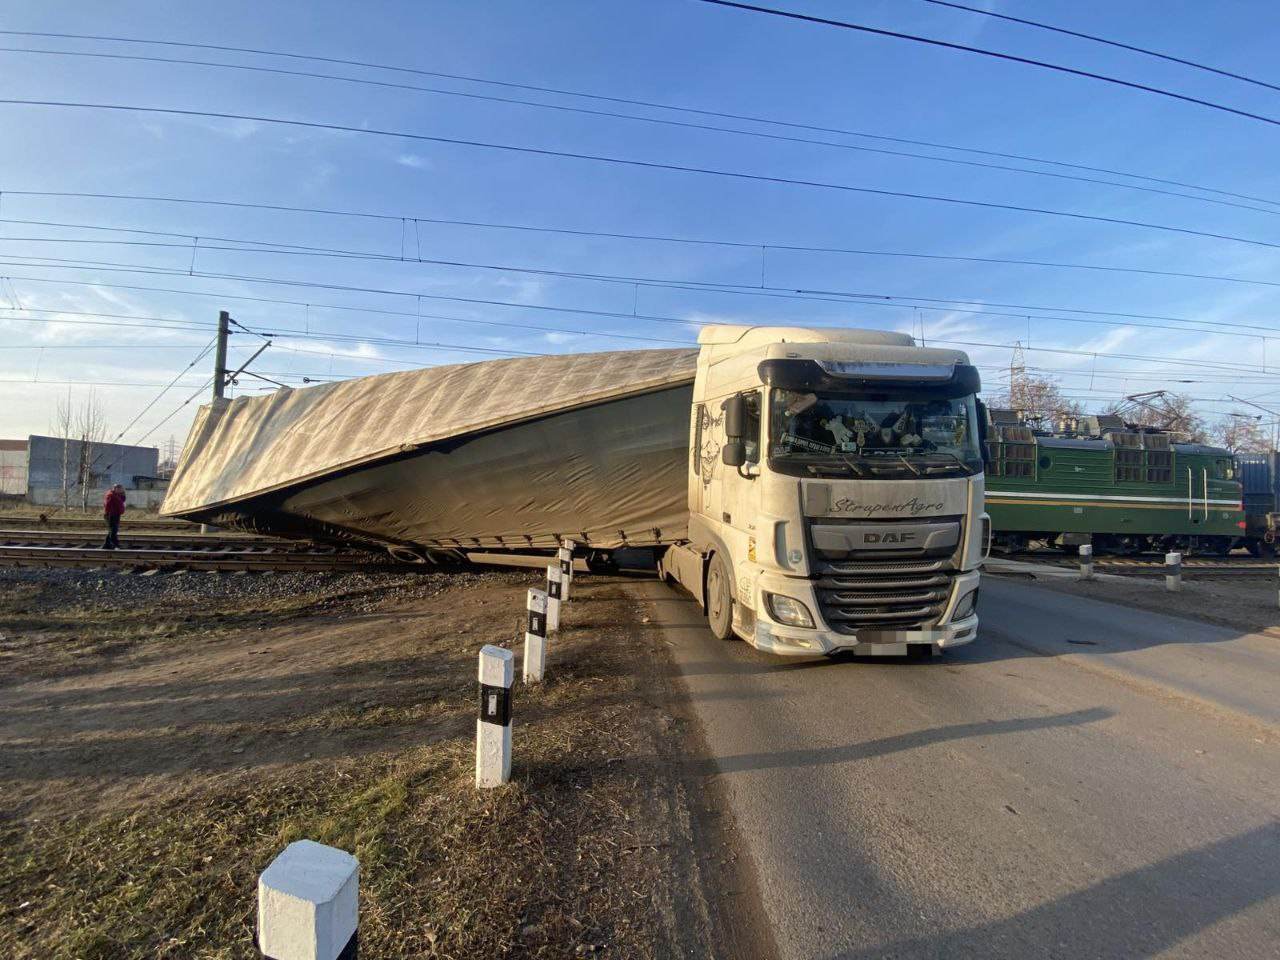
(1243, 435)
(1036, 398)
(63, 421)
(90, 431)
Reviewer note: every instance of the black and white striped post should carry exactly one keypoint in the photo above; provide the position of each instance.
(554, 581)
(535, 637)
(565, 556)
(309, 904)
(1086, 561)
(493, 726)
(1173, 572)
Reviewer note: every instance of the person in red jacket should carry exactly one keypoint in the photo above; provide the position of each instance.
(112, 508)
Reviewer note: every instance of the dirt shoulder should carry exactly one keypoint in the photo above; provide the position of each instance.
(1246, 603)
(160, 743)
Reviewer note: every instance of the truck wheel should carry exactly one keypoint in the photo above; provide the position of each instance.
(719, 600)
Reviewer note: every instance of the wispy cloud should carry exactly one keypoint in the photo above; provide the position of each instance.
(414, 161)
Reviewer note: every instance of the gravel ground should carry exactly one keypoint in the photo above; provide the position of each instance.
(58, 589)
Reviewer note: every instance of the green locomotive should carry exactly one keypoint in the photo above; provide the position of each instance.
(1099, 480)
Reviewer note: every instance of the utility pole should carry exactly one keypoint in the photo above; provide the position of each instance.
(219, 374)
(220, 356)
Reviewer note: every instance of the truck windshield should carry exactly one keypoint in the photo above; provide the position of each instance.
(873, 434)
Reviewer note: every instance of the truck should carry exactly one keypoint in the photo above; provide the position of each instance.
(816, 490)
(835, 492)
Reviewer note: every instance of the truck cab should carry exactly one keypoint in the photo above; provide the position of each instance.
(835, 492)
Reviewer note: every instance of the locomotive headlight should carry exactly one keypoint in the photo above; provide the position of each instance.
(964, 607)
(787, 610)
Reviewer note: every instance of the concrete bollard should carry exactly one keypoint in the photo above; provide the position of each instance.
(308, 904)
(535, 637)
(565, 556)
(493, 727)
(1173, 572)
(1086, 561)
(554, 580)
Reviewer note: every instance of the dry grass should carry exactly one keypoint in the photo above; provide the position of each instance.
(581, 855)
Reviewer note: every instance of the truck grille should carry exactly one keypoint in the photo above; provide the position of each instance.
(883, 594)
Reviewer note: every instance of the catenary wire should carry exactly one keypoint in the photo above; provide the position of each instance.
(1103, 40)
(629, 162)
(688, 125)
(604, 234)
(684, 322)
(601, 98)
(996, 54)
(893, 301)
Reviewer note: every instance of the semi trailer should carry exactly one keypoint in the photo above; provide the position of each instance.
(815, 490)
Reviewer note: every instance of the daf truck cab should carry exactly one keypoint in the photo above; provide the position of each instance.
(835, 492)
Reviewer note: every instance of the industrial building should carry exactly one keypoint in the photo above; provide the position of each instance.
(13, 468)
(47, 471)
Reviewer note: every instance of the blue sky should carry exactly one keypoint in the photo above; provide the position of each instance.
(670, 51)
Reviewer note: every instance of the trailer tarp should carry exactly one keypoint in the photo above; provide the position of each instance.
(293, 441)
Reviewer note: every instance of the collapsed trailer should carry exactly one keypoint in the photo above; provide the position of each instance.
(498, 455)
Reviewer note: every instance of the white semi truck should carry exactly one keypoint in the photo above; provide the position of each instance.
(835, 492)
(815, 489)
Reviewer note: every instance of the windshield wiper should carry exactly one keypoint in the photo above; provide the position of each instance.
(910, 465)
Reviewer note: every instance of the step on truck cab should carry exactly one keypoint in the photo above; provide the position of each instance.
(835, 492)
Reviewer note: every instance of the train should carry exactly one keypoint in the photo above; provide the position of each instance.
(1125, 489)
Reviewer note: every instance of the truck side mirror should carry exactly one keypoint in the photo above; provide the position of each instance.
(735, 415)
(982, 427)
(734, 453)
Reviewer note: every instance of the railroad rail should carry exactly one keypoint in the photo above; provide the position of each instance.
(152, 539)
(1204, 568)
(12, 521)
(239, 558)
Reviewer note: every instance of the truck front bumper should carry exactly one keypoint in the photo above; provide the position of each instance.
(786, 641)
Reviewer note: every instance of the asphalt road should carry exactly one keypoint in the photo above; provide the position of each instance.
(1026, 796)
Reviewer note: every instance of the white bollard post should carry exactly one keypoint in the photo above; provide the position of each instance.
(535, 637)
(565, 556)
(1173, 572)
(554, 581)
(493, 727)
(308, 904)
(1086, 561)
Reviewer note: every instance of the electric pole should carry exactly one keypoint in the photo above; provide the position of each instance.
(220, 356)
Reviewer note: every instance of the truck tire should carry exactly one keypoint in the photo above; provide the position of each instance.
(719, 600)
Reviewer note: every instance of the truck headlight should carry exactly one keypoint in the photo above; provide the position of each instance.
(787, 610)
(966, 604)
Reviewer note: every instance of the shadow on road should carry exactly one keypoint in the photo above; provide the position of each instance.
(1141, 913)
(877, 748)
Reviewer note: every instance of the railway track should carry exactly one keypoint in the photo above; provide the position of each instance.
(1204, 568)
(150, 540)
(228, 558)
(38, 522)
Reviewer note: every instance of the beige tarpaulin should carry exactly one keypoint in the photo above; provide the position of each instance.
(305, 445)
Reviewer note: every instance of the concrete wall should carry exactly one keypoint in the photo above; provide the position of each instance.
(112, 464)
(13, 467)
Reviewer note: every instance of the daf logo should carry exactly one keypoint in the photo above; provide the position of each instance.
(888, 537)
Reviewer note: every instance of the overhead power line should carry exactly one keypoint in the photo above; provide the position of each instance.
(627, 162)
(603, 234)
(652, 104)
(821, 296)
(616, 115)
(996, 54)
(630, 317)
(1103, 40)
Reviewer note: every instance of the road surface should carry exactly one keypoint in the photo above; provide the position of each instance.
(1027, 796)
